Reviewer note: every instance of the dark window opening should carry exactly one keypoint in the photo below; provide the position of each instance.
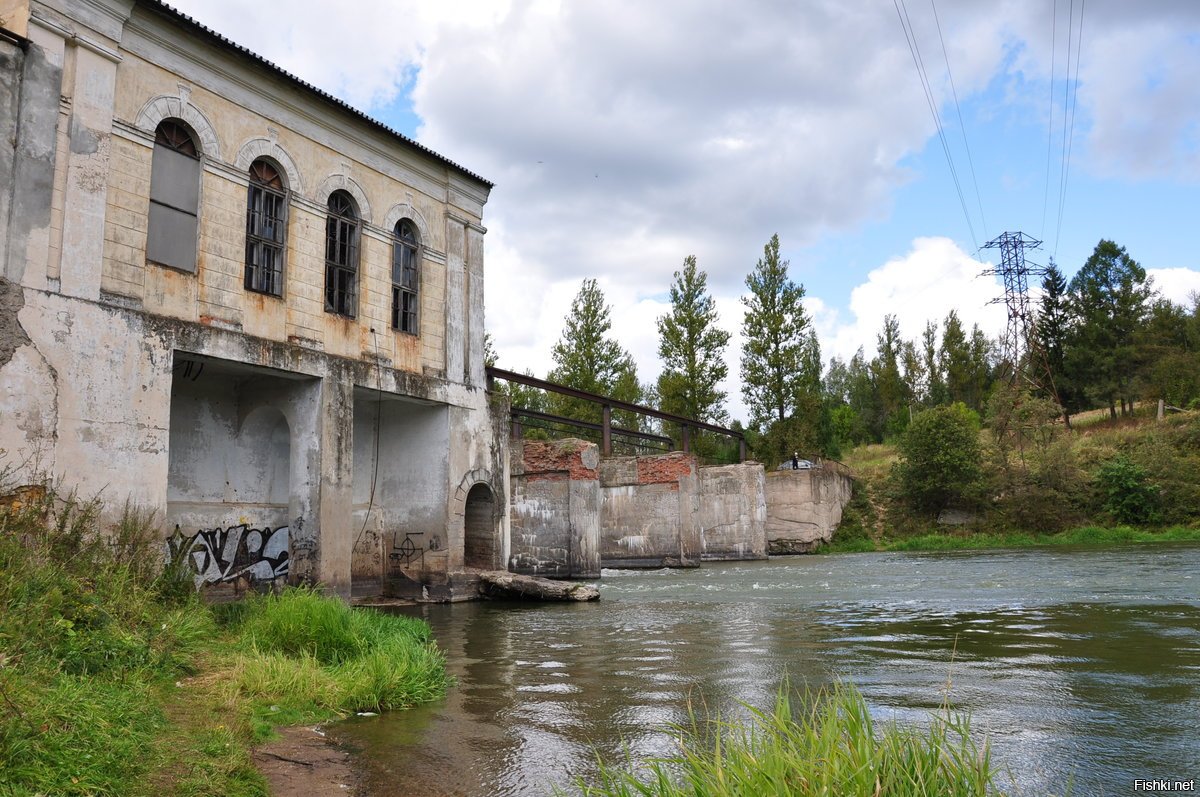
(266, 227)
(174, 197)
(405, 252)
(341, 255)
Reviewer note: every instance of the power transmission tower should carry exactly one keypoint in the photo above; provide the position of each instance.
(1027, 363)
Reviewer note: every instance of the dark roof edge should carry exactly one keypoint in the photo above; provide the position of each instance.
(212, 35)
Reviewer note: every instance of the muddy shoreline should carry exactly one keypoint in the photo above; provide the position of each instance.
(304, 761)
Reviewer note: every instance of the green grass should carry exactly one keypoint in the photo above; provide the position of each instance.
(832, 748)
(309, 658)
(965, 541)
(115, 679)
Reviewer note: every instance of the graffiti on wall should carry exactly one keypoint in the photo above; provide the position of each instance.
(224, 555)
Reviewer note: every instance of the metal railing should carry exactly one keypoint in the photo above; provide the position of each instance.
(607, 405)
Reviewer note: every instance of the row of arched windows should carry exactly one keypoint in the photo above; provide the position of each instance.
(173, 230)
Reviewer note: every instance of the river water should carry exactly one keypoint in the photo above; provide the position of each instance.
(1080, 664)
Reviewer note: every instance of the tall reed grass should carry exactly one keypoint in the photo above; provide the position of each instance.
(831, 747)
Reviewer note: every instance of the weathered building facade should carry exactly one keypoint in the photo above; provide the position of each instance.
(231, 298)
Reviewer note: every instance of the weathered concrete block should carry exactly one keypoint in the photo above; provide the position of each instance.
(648, 511)
(555, 509)
(732, 512)
(805, 506)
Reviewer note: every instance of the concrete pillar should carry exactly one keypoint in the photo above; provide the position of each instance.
(475, 318)
(335, 532)
(25, 238)
(91, 85)
(456, 343)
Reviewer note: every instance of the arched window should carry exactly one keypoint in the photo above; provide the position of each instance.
(342, 230)
(405, 250)
(266, 228)
(174, 197)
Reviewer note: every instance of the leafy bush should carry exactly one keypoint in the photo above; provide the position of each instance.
(1128, 495)
(940, 458)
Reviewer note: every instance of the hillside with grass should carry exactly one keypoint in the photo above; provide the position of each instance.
(1024, 479)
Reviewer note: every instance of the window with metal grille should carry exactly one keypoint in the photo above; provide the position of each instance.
(405, 278)
(266, 228)
(341, 255)
(174, 197)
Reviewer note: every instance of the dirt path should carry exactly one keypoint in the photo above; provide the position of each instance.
(304, 762)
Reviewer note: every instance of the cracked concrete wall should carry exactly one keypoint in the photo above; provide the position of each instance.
(405, 486)
(555, 509)
(732, 512)
(648, 508)
(804, 507)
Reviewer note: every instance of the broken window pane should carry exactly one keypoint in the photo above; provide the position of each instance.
(266, 225)
(405, 250)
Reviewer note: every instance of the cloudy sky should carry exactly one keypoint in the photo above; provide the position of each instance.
(624, 135)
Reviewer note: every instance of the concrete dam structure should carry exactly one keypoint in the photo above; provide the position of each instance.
(574, 512)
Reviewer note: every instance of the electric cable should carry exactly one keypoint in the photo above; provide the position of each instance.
(1050, 121)
(1069, 136)
(961, 125)
(914, 50)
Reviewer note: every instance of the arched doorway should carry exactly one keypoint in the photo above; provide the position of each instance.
(479, 532)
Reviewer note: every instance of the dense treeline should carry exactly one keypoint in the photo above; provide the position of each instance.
(1102, 340)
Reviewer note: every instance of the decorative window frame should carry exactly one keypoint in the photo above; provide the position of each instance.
(284, 196)
(268, 148)
(344, 182)
(164, 107)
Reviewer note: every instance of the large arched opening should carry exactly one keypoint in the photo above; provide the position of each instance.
(479, 529)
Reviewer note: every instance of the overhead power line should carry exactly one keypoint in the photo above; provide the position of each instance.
(918, 62)
(961, 124)
(1050, 116)
(1072, 93)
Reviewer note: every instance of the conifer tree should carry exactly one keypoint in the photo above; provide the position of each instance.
(587, 359)
(1110, 297)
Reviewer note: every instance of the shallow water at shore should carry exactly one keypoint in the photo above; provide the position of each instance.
(1072, 663)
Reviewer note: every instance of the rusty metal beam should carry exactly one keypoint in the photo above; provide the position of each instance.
(596, 398)
(518, 413)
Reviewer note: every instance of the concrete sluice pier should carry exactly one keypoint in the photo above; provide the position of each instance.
(573, 513)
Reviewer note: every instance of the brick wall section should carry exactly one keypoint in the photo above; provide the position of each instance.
(665, 468)
(556, 460)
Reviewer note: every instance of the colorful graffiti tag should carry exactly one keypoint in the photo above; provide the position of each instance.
(225, 555)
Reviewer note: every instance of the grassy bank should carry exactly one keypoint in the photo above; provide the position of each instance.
(832, 748)
(115, 679)
(1103, 482)
(982, 540)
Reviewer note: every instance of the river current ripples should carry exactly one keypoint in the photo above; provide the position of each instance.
(1078, 665)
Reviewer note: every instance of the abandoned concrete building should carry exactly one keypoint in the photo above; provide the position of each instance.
(233, 299)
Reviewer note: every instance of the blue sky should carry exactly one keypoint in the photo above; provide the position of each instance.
(623, 136)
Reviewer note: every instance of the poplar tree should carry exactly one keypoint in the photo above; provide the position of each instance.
(587, 359)
(692, 348)
(773, 356)
(774, 327)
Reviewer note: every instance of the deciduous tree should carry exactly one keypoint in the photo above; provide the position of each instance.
(692, 349)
